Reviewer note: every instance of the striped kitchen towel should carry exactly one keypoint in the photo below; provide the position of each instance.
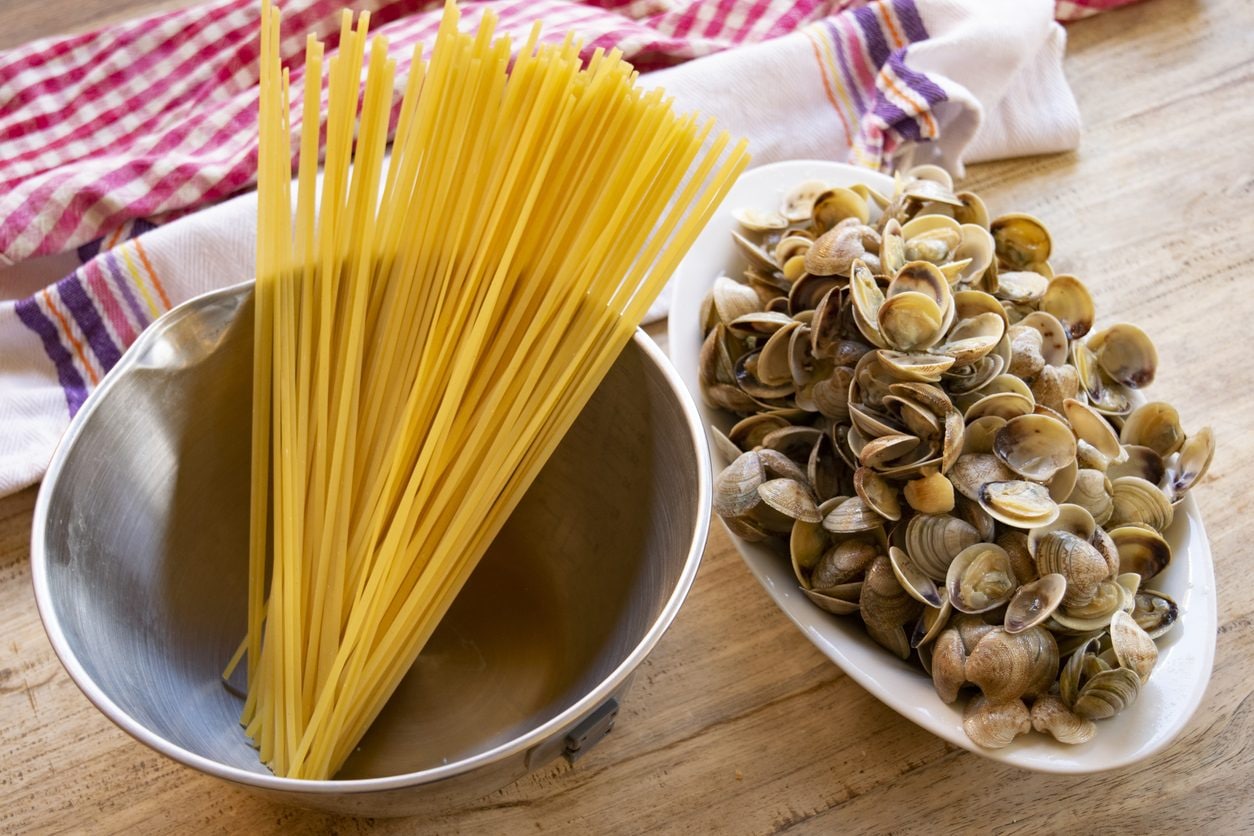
(105, 135)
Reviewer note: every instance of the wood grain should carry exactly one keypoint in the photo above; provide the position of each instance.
(736, 723)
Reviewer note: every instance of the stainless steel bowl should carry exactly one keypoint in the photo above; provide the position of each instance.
(139, 556)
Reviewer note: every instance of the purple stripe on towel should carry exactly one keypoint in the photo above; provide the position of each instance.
(83, 309)
(71, 381)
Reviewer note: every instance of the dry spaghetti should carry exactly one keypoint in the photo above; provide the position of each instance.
(427, 328)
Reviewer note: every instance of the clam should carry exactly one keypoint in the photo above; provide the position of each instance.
(913, 580)
(1006, 666)
(1137, 461)
(1021, 561)
(1069, 300)
(1190, 464)
(877, 493)
(758, 257)
(777, 465)
(1018, 503)
(798, 204)
(1022, 286)
(932, 622)
(1054, 385)
(1133, 647)
(1155, 425)
(1154, 612)
(852, 516)
(995, 725)
(1035, 446)
(949, 659)
(1051, 715)
(910, 320)
(834, 252)
(1107, 693)
(791, 498)
(1139, 501)
(736, 488)
(732, 300)
(748, 432)
(1141, 550)
(1091, 426)
(1026, 355)
(836, 204)
(885, 607)
(1066, 554)
(1021, 240)
(1126, 354)
(831, 603)
(1092, 492)
(980, 433)
(807, 543)
(972, 471)
(980, 578)
(843, 562)
(1033, 603)
(756, 220)
(934, 540)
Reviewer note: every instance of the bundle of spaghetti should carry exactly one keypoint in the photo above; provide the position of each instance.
(427, 327)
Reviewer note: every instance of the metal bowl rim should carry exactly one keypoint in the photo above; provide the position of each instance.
(539, 734)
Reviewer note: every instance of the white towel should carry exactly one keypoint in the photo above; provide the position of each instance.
(889, 83)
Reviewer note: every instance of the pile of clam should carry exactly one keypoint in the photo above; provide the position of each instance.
(934, 437)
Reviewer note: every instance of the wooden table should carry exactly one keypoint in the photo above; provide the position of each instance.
(736, 722)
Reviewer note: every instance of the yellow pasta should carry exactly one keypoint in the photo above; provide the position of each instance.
(427, 329)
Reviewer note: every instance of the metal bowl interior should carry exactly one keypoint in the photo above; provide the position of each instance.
(140, 557)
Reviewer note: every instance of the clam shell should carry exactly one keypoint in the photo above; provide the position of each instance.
(836, 204)
(1092, 492)
(791, 498)
(1018, 503)
(1155, 612)
(798, 204)
(736, 488)
(980, 578)
(1107, 693)
(877, 493)
(910, 320)
(1035, 446)
(1007, 665)
(934, 540)
(733, 300)
(1191, 463)
(1051, 715)
(1139, 501)
(1069, 300)
(842, 563)
(1137, 461)
(1021, 240)
(1074, 558)
(949, 658)
(1133, 647)
(1125, 353)
(1034, 602)
(852, 516)
(913, 580)
(1155, 425)
(1143, 551)
(995, 725)
(972, 471)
